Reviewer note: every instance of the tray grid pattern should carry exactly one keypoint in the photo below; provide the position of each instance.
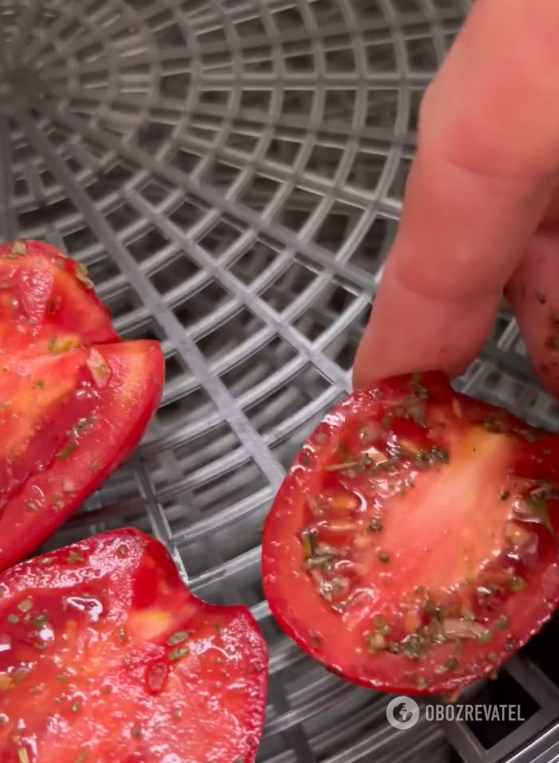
(231, 172)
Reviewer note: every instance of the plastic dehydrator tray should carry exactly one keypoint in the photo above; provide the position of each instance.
(231, 173)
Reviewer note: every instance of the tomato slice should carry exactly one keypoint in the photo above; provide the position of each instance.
(106, 657)
(65, 427)
(413, 545)
(46, 300)
(74, 399)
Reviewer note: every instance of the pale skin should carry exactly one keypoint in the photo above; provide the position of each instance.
(481, 211)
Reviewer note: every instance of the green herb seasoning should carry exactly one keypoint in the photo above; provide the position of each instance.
(517, 584)
(67, 450)
(58, 346)
(74, 557)
(430, 457)
(178, 637)
(178, 654)
(80, 425)
(308, 539)
(418, 389)
(528, 435)
(537, 504)
(501, 624)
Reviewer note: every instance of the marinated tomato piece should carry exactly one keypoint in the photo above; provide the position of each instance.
(65, 430)
(74, 400)
(47, 301)
(413, 545)
(107, 657)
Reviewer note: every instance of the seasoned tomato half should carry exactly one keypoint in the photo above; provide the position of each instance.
(413, 545)
(47, 300)
(74, 400)
(67, 422)
(107, 657)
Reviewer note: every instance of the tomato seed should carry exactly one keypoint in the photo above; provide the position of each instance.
(156, 676)
(457, 408)
(376, 642)
(344, 502)
(316, 505)
(517, 536)
(501, 624)
(517, 584)
(25, 606)
(375, 526)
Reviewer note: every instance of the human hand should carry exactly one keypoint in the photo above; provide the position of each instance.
(481, 209)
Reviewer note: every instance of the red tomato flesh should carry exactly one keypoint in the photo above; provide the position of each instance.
(75, 400)
(46, 300)
(63, 434)
(413, 545)
(106, 657)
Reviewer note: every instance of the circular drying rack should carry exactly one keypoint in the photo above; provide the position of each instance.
(231, 172)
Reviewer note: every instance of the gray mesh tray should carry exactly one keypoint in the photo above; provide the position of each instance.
(231, 173)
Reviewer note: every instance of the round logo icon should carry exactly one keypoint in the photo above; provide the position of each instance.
(402, 712)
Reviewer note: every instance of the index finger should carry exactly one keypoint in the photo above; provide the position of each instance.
(487, 161)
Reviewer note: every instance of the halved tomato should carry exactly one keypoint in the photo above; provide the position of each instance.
(106, 657)
(46, 297)
(67, 422)
(413, 545)
(74, 399)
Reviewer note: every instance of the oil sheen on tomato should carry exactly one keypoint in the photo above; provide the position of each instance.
(106, 657)
(413, 545)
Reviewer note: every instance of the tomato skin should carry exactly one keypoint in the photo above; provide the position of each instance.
(110, 618)
(440, 546)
